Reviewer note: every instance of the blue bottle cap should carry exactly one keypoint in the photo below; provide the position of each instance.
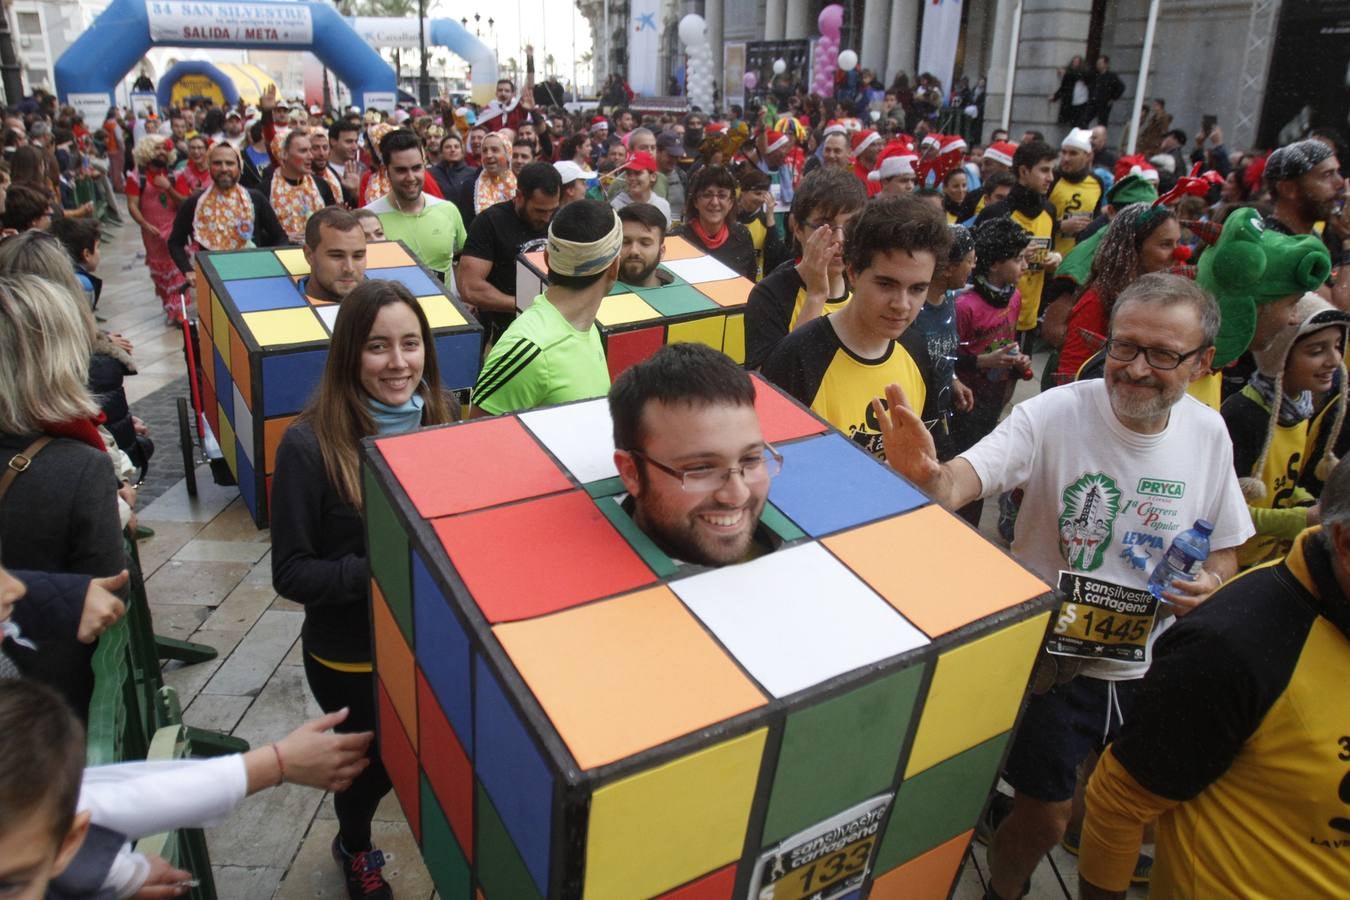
(1202, 525)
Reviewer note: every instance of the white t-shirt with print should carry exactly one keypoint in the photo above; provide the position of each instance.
(1107, 501)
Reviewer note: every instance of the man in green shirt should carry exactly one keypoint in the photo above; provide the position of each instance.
(552, 352)
(431, 227)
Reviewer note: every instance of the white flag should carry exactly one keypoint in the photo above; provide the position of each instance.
(644, 47)
(937, 47)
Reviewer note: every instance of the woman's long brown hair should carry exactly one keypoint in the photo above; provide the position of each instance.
(338, 412)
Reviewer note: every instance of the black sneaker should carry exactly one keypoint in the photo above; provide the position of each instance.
(361, 871)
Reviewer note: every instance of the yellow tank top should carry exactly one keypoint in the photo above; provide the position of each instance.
(1069, 198)
(1208, 390)
(1033, 282)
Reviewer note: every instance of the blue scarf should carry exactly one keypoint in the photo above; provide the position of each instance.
(395, 419)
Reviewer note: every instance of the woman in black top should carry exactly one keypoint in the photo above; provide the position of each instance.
(381, 378)
(710, 223)
(59, 514)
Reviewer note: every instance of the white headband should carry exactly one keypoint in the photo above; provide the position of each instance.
(572, 258)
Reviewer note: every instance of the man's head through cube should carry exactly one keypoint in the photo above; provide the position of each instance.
(691, 453)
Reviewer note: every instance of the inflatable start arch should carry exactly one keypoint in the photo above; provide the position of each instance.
(386, 32)
(91, 68)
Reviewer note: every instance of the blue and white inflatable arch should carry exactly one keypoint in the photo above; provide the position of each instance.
(90, 69)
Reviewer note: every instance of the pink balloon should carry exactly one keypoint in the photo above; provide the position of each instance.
(830, 20)
(751, 79)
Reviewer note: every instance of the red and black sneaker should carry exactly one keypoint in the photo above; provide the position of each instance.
(361, 871)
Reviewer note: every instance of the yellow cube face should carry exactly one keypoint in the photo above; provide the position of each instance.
(294, 261)
(976, 691)
(704, 804)
(278, 327)
(709, 331)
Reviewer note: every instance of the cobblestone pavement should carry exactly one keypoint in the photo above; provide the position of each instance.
(208, 576)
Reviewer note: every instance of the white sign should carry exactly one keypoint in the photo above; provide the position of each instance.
(176, 21)
(384, 101)
(827, 860)
(383, 31)
(143, 103)
(93, 107)
(644, 47)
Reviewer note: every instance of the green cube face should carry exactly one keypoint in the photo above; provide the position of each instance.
(940, 803)
(448, 867)
(840, 752)
(387, 550)
(501, 870)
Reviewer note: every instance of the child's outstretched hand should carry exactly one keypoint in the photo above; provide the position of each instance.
(163, 881)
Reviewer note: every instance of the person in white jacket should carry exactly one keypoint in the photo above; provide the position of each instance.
(66, 831)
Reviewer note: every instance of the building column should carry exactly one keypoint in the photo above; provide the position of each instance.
(872, 53)
(977, 42)
(775, 16)
(712, 14)
(1053, 31)
(997, 69)
(900, 40)
(798, 23)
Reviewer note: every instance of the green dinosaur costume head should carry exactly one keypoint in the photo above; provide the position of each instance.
(1251, 266)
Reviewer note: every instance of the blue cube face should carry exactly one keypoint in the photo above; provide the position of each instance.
(413, 278)
(444, 651)
(458, 355)
(827, 486)
(248, 481)
(512, 770)
(289, 379)
(258, 294)
(224, 384)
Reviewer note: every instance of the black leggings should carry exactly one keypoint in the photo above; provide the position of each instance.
(356, 690)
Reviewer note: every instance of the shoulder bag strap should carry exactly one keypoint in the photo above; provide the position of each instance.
(19, 463)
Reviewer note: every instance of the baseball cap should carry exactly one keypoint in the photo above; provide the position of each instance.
(642, 161)
(233, 114)
(569, 172)
(672, 143)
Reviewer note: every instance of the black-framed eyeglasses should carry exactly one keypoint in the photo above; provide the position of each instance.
(705, 479)
(1159, 358)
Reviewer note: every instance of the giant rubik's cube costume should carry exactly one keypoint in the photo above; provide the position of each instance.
(567, 712)
(262, 347)
(702, 302)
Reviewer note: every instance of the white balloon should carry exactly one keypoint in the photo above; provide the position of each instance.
(779, 67)
(848, 60)
(693, 30)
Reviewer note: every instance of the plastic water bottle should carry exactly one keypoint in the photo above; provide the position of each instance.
(1183, 559)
